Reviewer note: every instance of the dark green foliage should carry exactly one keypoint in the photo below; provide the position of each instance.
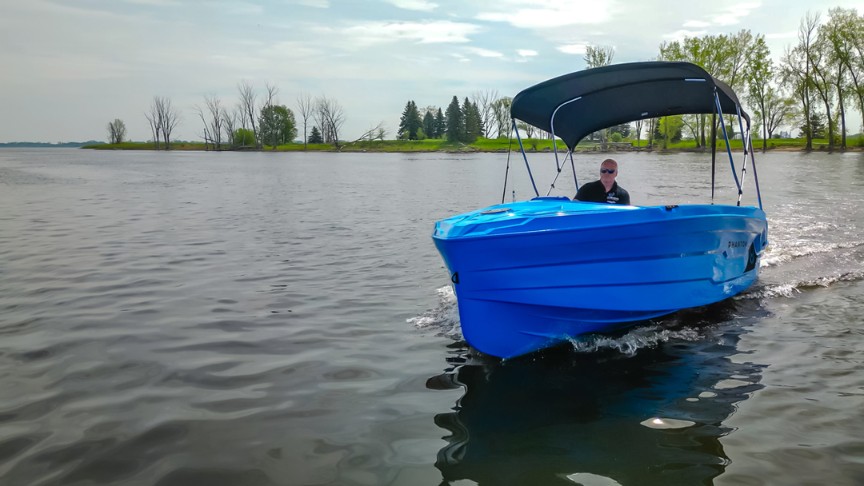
(410, 122)
(429, 125)
(473, 121)
(455, 122)
(817, 124)
(315, 136)
(276, 125)
(440, 124)
(623, 129)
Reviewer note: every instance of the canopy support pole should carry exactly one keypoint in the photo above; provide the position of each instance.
(525, 157)
(713, 153)
(507, 170)
(726, 138)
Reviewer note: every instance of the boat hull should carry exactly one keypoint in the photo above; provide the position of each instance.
(530, 274)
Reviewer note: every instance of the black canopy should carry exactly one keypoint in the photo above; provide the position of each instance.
(583, 102)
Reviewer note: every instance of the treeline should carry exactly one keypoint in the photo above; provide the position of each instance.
(486, 115)
(257, 120)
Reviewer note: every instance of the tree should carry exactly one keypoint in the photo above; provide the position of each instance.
(440, 124)
(244, 137)
(596, 56)
(162, 119)
(669, 129)
(837, 38)
(797, 72)
(306, 107)
(758, 74)
(778, 111)
(473, 121)
(455, 121)
(214, 125)
(410, 122)
(248, 107)
(483, 101)
(277, 125)
(155, 124)
(116, 131)
(501, 115)
(315, 135)
(429, 124)
(815, 127)
(329, 117)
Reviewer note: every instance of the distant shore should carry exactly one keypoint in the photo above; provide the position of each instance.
(482, 145)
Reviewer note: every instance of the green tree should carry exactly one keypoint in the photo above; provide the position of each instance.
(473, 121)
(816, 126)
(455, 121)
(276, 125)
(429, 124)
(440, 124)
(243, 137)
(669, 129)
(758, 74)
(410, 122)
(315, 135)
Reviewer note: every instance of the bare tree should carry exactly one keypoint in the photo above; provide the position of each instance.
(155, 123)
(168, 118)
(116, 131)
(638, 126)
(248, 110)
(212, 121)
(306, 107)
(375, 133)
(483, 100)
(207, 136)
(329, 117)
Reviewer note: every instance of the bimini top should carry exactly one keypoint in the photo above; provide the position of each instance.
(576, 104)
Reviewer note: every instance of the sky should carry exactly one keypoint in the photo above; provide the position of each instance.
(68, 67)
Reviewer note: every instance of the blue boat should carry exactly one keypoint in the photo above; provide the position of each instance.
(531, 274)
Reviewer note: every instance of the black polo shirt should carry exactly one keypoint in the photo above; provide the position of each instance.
(595, 192)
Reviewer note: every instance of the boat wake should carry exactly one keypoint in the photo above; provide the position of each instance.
(444, 319)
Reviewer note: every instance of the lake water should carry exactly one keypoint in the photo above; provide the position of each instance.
(284, 319)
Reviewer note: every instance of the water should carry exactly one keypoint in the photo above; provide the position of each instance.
(284, 319)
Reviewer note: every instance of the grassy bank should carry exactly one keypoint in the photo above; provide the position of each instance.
(491, 145)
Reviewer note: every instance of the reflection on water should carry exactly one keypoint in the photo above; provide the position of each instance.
(600, 417)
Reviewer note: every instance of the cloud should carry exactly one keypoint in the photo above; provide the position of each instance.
(533, 14)
(433, 32)
(421, 5)
(680, 34)
(312, 3)
(526, 52)
(578, 49)
(485, 52)
(696, 24)
(735, 13)
(782, 35)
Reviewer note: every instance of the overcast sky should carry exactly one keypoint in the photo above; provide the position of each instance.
(71, 66)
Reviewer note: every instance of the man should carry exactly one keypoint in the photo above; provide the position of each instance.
(606, 189)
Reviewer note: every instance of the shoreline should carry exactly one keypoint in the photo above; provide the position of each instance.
(484, 146)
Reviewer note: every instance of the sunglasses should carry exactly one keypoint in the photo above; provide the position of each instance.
(607, 171)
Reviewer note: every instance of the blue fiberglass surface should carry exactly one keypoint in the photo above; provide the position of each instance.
(530, 272)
